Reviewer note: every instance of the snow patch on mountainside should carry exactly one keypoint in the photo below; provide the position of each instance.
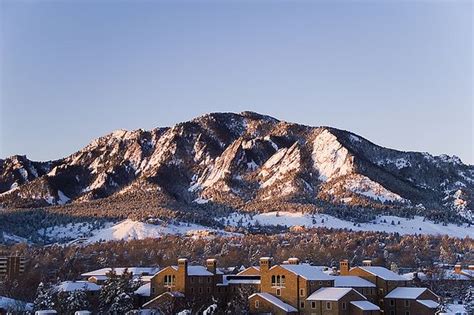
(362, 185)
(330, 158)
(281, 163)
(389, 224)
(134, 230)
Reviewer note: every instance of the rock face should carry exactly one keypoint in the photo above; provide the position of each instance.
(237, 160)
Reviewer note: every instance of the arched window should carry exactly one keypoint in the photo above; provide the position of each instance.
(273, 281)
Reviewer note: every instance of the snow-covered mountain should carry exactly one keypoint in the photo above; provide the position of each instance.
(247, 161)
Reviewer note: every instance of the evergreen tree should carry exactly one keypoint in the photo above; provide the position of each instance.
(44, 298)
(116, 293)
(469, 300)
(77, 301)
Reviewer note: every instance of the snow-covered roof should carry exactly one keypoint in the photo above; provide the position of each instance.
(365, 305)
(451, 275)
(236, 279)
(308, 272)
(428, 303)
(136, 271)
(331, 294)
(405, 293)
(144, 290)
(199, 271)
(6, 303)
(383, 273)
(411, 275)
(69, 286)
(257, 268)
(352, 282)
(174, 294)
(275, 301)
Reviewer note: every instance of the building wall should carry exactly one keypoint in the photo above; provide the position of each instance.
(287, 292)
(401, 306)
(12, 266)
(341, 307)
(382, 287)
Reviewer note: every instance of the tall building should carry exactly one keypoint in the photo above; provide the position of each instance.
(11, 266)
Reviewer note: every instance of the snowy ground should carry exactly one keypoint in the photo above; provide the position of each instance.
(455, 309)
(382, 223)
(133, 230)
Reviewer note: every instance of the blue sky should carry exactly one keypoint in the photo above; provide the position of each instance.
(398, 73)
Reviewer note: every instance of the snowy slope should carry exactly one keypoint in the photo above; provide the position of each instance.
(382, 224)
(134, 230)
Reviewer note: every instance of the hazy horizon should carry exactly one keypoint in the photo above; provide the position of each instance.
(398, 74)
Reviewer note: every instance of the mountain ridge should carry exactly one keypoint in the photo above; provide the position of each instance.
(243, 161)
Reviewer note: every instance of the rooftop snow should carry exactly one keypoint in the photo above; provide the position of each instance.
(428, 303)
(383, 273)
(329, 294)
(198, 271)
(352, 282)
(405, 293)
(275, 301)
(308, 272)
(136, 271)
(365, 305)
(69, 286)
(144, 290)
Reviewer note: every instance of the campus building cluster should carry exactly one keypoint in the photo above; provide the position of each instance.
(291, 287)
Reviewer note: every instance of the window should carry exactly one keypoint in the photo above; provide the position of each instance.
(168, 280)
(302, 304)
(301, 292)
(257, 303)
(200, 290)
(192, 279)
(278, 292)
(344, 305)
(320, 283)
(153, 290)
(392, 312)
(200, 279)
(328, 305)
(278, 281)
(407, 303)
(192, 290)
(208, 290)
(208, 279)
(392, 302)
(313, 304)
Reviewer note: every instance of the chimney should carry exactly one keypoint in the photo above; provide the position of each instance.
(367, 262)
(457, 268)
(344, 267)
(211, 265)
(182, 274)
(470, 267)
(293, 261)
(265, 264)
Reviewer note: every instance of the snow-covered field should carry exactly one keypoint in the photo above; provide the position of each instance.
(383, 223)
(134, 230)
